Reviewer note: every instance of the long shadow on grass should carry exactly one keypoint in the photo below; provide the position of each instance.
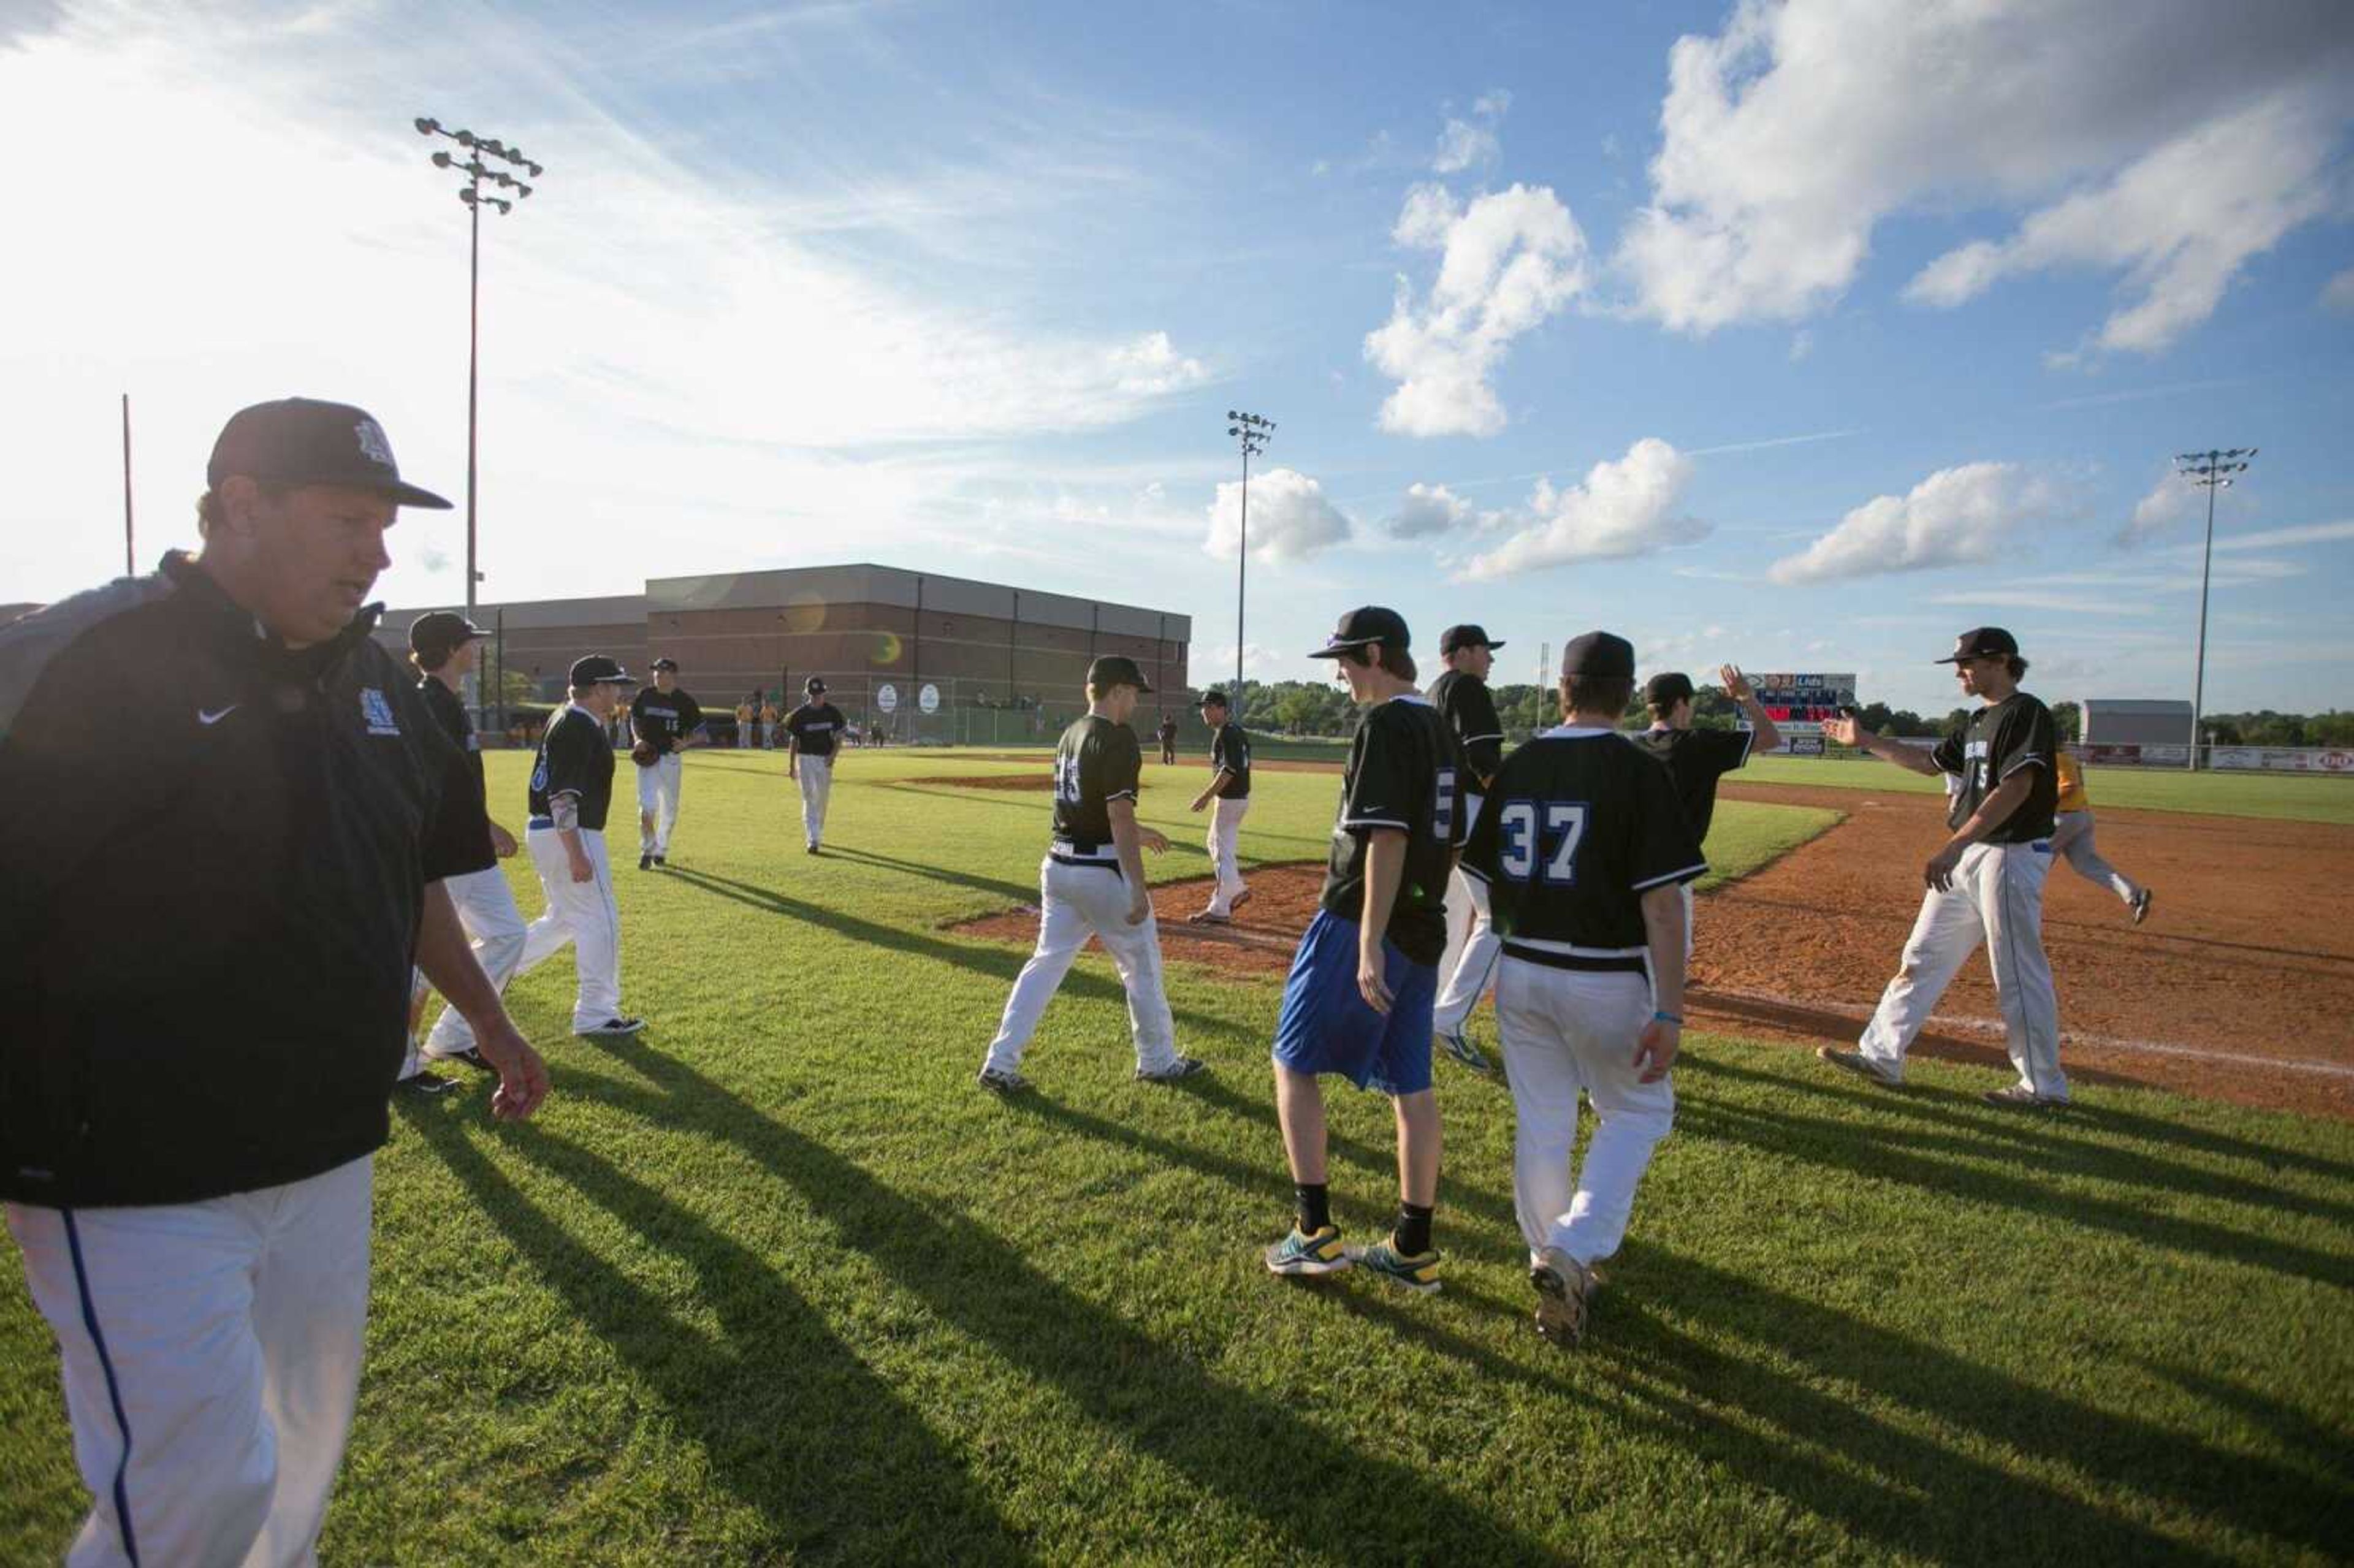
(995, 886)
(790, 1421)
(1921, 1493)
(1304, 1485)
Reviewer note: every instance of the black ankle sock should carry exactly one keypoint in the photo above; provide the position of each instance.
(1315, 1208)
(1413, 1231)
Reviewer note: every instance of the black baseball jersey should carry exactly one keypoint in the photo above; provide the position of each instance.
(576, 759)
(1579, 824)
(816, 728)
(1999, 739)
(1467, 705)
(1405, 772)
(1230, 750)
(1096, 763)
(666, 718)
(1167, 729)
(1696, 760)
(457, 724)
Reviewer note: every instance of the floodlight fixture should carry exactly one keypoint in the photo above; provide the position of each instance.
(2211, 471)
(1251, 433)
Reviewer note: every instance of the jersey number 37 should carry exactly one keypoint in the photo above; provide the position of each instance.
(1537, 841)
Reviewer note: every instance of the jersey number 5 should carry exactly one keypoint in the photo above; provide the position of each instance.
(1539, 839)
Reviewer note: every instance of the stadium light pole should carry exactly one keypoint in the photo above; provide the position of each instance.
(1252, 433)
(2211, 472)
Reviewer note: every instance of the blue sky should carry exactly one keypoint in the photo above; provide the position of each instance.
(1795, 336)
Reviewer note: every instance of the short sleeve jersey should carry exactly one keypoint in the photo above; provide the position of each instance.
(2069, 784)
(1472, 710)
(1696, 760)
(666, 718)
(1230, 750)
(1096, 763)
(816, 728)
(451, 714)
(576, 759)
(1999, 739)
(1579, 824)
(1404, 772)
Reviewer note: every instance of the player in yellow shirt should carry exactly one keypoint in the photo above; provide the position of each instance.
(2072, 836)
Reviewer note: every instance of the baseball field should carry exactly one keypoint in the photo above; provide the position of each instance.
(777, 1283)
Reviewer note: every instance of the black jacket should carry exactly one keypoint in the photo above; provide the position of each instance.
(213, 851)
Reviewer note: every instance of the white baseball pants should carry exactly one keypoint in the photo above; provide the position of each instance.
(487, 910)
(1997, 898)
(1076, 902)
(817, 789)
(1467, 968)
(1226, 830)
(658, 787)
(581, 913)
(211, 1354)
(1564, 1031)
(2072, 835)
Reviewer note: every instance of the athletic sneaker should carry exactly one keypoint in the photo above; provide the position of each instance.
(470, 1058)
(1565, 1287)
(1457, 1044)
(425, 1083)
(1415, 1272)
(2018, 1097)
(1207, 917)
(661, 860)
(612, 1029)
(2141, 906)
(645, 863)
(1305, 1254)
(1239, 899)
(813, 849)
(1183, 1067)
(1857, 1062)
(1003, 1080)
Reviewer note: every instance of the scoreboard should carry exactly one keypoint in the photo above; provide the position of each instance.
(1799, 704)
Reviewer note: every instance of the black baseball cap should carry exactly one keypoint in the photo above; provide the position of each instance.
(1598, 653)
(1665, 690)
(1460, 637)
(666, 663)
(812, 685)
(437, 633)
(596, 667)
(1214, 697)
(1116, 670)
(300, 441)
(1363, 628)
(1982, 642)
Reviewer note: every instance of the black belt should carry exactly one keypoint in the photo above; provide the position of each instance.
(1111, 866)
(539, 823)
(1623, 963)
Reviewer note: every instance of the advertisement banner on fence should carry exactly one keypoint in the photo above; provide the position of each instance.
(2281, 759)
(1804, 746)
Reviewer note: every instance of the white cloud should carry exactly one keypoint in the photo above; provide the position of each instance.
(1509, 260)
(2338, 294)
(1151, 366)
(2136, 134)
(2171, 503)
(1955, 516)
(1626, 507)
(1290, 518)
(1428, 509)
(1471, 144)
(2278, 538)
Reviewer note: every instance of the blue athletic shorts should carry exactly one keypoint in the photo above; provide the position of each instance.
(1326, 1027)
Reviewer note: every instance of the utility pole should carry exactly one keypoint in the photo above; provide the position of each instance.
(2212, 470)
(129, 554)
(1253, 434)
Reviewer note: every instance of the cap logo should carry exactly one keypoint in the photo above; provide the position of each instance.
(373, 446)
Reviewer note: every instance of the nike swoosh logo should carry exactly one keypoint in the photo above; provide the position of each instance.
(217, 714)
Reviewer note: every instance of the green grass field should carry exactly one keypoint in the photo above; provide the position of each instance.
(779, 1284)
(2310, 798)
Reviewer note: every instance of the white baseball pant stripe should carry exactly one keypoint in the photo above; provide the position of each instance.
(1226, 830)
(1997, 898)
(658, 787)
(211, 1354)
(1468, 966)
(1076, 902)
(2072, 835)
(487, 910)
(1563, 1031)
(581, 913)
(817, 789)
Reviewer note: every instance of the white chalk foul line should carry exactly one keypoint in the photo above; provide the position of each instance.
(1993, 1028)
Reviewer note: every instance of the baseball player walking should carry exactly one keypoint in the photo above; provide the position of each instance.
(446, 648)
(666, 721)
(1697, 758)
(2072, 836)
(813, 733)
(1986, 884)
(190, 1184)
(1359, 997)
(1092, 884)
(1468, 967)
(1229, 791)
(572, 795)
(1583, 856)
(1168, 734)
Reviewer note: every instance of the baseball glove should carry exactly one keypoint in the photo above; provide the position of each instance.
(645, 754)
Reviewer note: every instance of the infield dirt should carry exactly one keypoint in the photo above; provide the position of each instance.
(2239, 987)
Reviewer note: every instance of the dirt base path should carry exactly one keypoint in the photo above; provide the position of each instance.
(2240, 986)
